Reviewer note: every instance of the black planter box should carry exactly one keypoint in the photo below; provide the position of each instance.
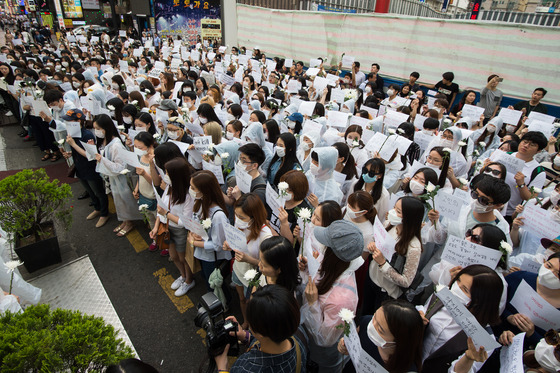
(40, 254)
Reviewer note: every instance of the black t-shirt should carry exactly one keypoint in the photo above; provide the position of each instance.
(84, 169)
(539, 108)
(447, 90)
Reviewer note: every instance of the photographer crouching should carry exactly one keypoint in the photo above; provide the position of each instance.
(273, 317)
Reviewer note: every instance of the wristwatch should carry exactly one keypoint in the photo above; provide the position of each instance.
(522, 185)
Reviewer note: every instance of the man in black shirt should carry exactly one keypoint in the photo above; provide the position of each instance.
(534, 104)
(447, 87)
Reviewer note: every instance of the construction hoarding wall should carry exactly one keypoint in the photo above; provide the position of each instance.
(525, 56)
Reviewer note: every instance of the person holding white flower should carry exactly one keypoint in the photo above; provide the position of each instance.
(209, 204)
(333, 288)
(391, 277)
(178, 205)
(449, 139)
(250, 217)
(295, 188)
(110, 164)
(144, 144)
(486, 137)
(392, 336)
(284, 159)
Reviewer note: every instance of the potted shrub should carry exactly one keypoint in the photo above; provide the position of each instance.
(41, 340)
(30, 204)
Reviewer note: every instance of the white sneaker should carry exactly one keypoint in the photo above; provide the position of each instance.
(184, 288)
(9, 114)
(175, 285)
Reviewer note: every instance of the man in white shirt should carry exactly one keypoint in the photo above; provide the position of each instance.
(530, 177)
(358, 77)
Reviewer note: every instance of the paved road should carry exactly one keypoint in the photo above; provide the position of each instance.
(137, 281)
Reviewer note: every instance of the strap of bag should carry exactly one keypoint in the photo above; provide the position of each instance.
(298, 355)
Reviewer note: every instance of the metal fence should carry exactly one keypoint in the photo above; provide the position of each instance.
(410, 8)
(537, 19)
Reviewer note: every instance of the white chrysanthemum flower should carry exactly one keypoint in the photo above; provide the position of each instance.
(283, 186)
(482, 143)
(250, 274)
(142, 207)
(12, 265)
(536, 190)
(124, 172)
(224, 155)
(391, 131)
(461, 143)
(448, 150)
(439, 287)
(507, 247)
(305, 214)
(120, 127)
(430, 187)
(134, 102)
(206, 223)
(61, 141)
(400, 130)
(111, 107)
(346, 315)
(463, 181)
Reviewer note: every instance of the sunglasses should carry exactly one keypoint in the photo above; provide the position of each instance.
(371, 173)
(475, 238)
(552, 338)
(481, 199)
(493, 172)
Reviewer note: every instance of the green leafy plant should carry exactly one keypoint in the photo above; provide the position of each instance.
(29, 200)
(41, 340)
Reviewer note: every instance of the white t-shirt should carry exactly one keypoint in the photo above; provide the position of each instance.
(537, 182)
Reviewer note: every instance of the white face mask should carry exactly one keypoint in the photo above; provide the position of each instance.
(368, 89)
(305, 146)
(446, 143)
(427, 132)
(344, 110)
(377, 339)
(491, 129)
(353, 214)
(510, 128)
(65, 64)
(127, 120)
(140, 152)
(280, 151)
(173, 135)
(416, 187)
(547, 279)
(141, 129)
(166, 179)
(203, 120)
(393, 218)
(352, 143)
(314, 169)
(76, 85)
(291, 124)
(456, 290)
(229, 135)
(115, 86)
(555, 215)
(240, 224)
(432, 166)
(544, 354)
(240, 167)
(193, 194)
(390, 92)
(100, 134)
(557, 161)
(289, 196)
(480, 208)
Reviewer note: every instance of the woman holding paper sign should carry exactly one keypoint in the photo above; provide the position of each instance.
(546, 284)
(392, 336)
(111, 165)
(250, 218)
(178, 205)
(478, 288)
(391, 277)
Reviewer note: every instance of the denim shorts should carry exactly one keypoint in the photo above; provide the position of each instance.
(179, 237)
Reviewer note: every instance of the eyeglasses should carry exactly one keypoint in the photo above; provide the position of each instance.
(492, 171)
(475, 238)
(552, 338)
(481, 199)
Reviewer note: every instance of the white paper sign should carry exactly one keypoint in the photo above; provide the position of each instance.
(40, 106)
(534, 116)
(463, 253)
(73, 129)
(307, 108)
(312, 71)
(449, 205)
(347, 60)
(337, 119)
(529, 303)
(202, 143)
(511, 357)
(320, 83)
(467, 321)
(195, 227)
(236, 239)
(273, 199)
(393, 119)
(91, 150)
(402, 144)
(383, 240)
(538, 221)
(122, 33)
(530, 265)
(216, 170)
(243, 180)
(513, 164)
(547, 129)
(419, 121)
(509, 116)
(371, 111)
(422, 140)
(130, 158)
(362, 361)
(337, 95)
(472, 111)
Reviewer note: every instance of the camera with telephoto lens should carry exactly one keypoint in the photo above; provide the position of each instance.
(210, 317)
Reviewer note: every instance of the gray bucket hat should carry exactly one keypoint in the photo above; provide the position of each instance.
(343, 237)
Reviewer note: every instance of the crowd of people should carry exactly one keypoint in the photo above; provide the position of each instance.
(333, 178)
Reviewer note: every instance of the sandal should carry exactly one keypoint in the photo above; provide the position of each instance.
(56, 156)
(117, 228)
(47, 156)
(124, 232)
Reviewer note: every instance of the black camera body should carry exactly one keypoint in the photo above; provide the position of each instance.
(210, 317)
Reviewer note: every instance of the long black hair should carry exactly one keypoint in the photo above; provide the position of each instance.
(289, 160)
(376, 166)
(279, 253)
(349, 168)
(412, 215)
